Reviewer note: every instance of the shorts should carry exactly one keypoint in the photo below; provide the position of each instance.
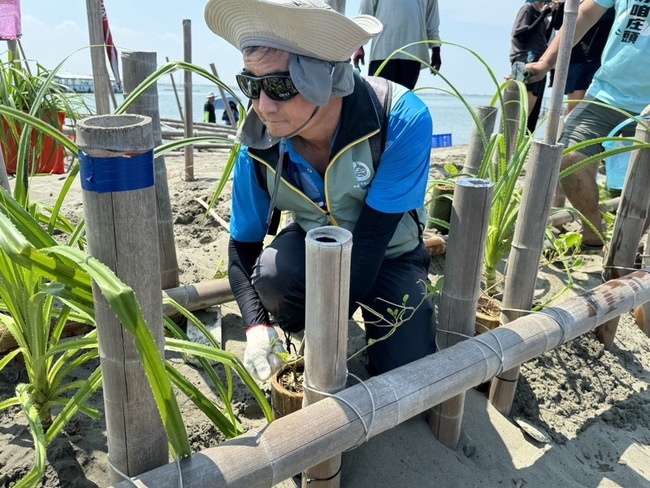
(536, 88)
(579, 76)
(589, 121)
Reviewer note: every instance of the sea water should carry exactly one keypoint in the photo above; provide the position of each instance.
(450, 115)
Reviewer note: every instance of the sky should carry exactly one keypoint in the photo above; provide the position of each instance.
(54, 30)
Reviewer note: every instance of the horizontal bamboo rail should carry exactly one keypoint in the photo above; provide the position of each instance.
(319, 431)
(197, 296)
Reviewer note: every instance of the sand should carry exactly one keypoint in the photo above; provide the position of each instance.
(593, 405)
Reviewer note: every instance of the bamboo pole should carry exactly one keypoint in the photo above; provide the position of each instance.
(327, 295)
(187, 91)
(563, 216)
(137, 66)
(100, 74)
(459, 296)
(283, 448)
(523, 263)
(226, 105)
(477, 146)
(561, 69)
(510, 118)
(178, 100)
(119, 206)
(629, 225)
(199, 296)
(642, 312)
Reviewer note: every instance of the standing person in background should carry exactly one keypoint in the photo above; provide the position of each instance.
(235, 113)
(585, 56)
(622, 82)
(528, 43)
(208, 110)
(405, 21)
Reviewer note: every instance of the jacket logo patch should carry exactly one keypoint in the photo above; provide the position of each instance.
(362, 173)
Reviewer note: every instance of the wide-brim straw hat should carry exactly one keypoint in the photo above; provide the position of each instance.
(305, 27)
(210, 95)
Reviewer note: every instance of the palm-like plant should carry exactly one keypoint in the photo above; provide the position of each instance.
(46, 283)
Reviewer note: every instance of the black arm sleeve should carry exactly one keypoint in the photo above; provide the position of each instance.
(370, 238)
(241, 258)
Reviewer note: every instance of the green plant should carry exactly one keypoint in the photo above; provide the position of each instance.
(45, 284)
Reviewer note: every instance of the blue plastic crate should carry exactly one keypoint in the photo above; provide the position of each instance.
(441, 140)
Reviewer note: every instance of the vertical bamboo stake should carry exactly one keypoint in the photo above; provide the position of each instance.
(116, 160)
(477, 146)
(523, 262)
(510, 117)
(100, 75)
(327, 298)
(178, 100)
(459, 297)
(628, 227)
(561, 69)
(137, 66)
(226, 105)
(642, 312)
(187, 91)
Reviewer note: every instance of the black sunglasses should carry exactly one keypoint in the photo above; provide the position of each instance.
(277, 86)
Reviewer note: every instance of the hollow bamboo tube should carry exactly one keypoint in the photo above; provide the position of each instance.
(479, 138)
(523, 263)
(137, 66)
(199, 296)
(563, 216)
(122, 234)
(327, 298)
(561, 69)
(187, 92)
(319, 431)
(459, 296)
(629, 225)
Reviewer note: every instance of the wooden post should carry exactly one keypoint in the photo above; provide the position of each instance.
(459, 297)
(327, 298)
(477, 146)
(187, 91)
(523, 263)
(561, 69)
(510, 118)
(137, 66)
(288, 445)
(116, 160)
(226, 105)
(629, 225)
(100, 74)
(178, 100)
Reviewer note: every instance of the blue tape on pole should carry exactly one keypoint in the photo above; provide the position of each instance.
(125, 173)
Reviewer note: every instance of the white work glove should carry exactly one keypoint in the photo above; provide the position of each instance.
(262, 342)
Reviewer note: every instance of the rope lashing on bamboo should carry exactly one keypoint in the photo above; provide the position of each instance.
(366, 427)
(132, 482)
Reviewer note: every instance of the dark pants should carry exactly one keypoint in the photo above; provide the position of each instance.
(402, 71)
(279, 279)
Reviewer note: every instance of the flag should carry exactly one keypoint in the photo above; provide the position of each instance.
(10, 26)
(111, 50)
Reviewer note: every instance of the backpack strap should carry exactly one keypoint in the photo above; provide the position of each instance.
(381, 94)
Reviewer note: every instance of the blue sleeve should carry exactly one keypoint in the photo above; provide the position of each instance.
(250, 203)
(401, 180)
